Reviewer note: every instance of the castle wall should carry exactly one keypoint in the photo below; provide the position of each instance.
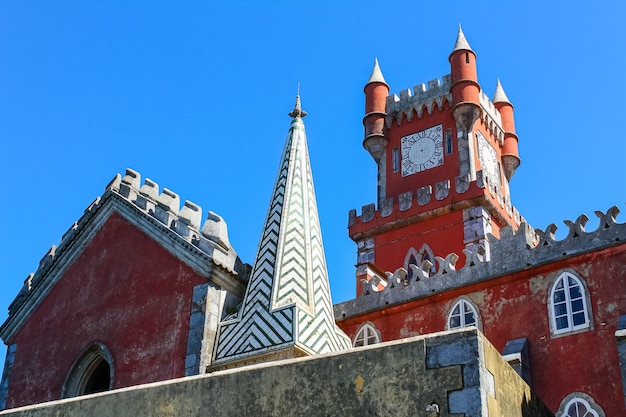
(515, 306)
(124, 291)
(455, 373)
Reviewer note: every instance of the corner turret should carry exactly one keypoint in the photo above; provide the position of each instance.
(376, 92)
(465, 88)
(510, 152)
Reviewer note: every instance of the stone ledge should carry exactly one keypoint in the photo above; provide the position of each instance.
(394, 378)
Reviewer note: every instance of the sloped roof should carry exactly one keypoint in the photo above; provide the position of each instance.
(206, 249)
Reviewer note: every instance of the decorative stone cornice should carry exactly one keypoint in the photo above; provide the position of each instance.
(532, 248)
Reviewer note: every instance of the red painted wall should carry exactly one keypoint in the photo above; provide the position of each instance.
(395, 182)
(443, 235)
(125, 291)
(516, 306)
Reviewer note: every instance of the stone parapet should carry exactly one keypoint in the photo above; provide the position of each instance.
(413, 102)
(448, 373)
(490, 260)
(491, 117)
(429, 198)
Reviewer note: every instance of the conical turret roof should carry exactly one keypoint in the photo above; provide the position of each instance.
(500, 96)
(377, 74)
(461, 43)
(287, 306)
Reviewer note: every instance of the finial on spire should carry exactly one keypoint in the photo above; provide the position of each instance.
(500, 96)
(461, 42)
(297, 109)
(377, 75)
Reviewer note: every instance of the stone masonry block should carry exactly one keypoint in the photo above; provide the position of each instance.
(368, 213)
(442, 189)
(462, 183)
(351, 217)
(451, 352)
(423, 195)
(405, 201)
(386, 207)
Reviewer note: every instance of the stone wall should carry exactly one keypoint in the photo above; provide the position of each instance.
(452, 373)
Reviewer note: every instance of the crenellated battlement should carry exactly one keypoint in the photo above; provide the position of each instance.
(492, 259)
(419, 99)
(491, 117)
(181, 232)
(433, 196)
(165, 207)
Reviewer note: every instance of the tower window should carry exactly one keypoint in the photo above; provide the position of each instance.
(366, 335)
(395, 160)
(99, 379)
(91, 373)
(463, 314)
(568, 304)
(449, 141)
(467, 60)
(409, 270)
(416, 258)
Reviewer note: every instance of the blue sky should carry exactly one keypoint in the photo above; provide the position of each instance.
(195, 96)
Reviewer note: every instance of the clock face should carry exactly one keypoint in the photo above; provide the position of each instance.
(488, 159)
(422, 150)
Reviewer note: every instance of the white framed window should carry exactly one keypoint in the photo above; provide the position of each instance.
(367, 335)
(568, 304)
(578, 404)
(463, 314)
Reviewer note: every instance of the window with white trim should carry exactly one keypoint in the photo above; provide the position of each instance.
(91, 373)
(579, 404)
(568, 304)
(463, 314)
(366, 335)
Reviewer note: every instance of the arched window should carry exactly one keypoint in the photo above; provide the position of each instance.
(568, 306)
(416, 258)
(579, 404)
(463, 314)
(366, 335)
(91, 373)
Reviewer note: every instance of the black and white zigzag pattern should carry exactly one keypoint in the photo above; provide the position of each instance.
(287, 301)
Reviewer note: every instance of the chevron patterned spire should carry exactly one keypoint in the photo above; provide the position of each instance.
(287, 309)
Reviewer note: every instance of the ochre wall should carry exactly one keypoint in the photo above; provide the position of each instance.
(124, 291)
(515, 306)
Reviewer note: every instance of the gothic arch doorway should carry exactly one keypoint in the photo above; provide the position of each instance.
(92, 372)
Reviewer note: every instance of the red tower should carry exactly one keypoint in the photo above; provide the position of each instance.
(555, 309)
(445, 153)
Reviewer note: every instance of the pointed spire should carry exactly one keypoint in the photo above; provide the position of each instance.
(287, 309)
(461, 42)
(377, 75)
(500, 96)
(297, 109)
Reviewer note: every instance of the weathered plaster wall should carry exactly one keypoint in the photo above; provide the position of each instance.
(515, 306)
(124, 291)
(457, 372)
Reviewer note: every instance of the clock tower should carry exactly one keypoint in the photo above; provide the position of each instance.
(445, 154)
